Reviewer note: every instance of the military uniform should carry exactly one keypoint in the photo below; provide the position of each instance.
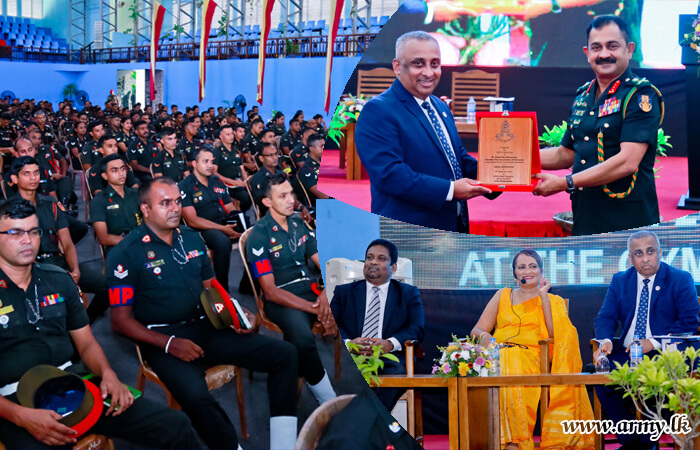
(170, 166)
(257, 186)
(75, 141)
(8, 135)
(163, 283)
(253, 143)
(142, 154)
(279, 130)
(229, 165)
(47, 134)
(188, 148)
(630, 111)
(97, 183)
(290, 140)
(273, 251)
(308, 177)
(299, 154)
(208, 202)
(121, 214)
(34, 330)
(52, 218)
(89, 154)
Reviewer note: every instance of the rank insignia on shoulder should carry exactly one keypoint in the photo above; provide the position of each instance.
(3, 285)
(644, 103)
(146, 239)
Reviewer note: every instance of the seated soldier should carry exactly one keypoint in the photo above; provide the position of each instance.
(301, 151)
(57, 166)
(228, 162)
(142, 151)
(114, 212)
(170, 162)
(269, 165)
(156, 275)
(205, 207)
(107, 145)
(254, 136)
(36, 332)
(241, 145)
(24, 173)
(87, 153)
(277, 251)
(291, 138)
(190, 143)
(308, 174)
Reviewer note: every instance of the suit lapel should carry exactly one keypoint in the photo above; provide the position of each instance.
(631, 307)
(410, 103)
(659, 282)
(360, 305)
(392, 297)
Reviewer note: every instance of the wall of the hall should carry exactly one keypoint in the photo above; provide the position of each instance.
(290, 83)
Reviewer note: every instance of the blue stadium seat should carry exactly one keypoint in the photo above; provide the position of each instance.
(32, 28)
(248, 29)
(54, 45)
(374, 29)
(321, 24)
(256, 29)
(374, 20)
(275, 34)
(12, 36)
(9, 19)
(348, 22)
(19, 42)
(40, 32)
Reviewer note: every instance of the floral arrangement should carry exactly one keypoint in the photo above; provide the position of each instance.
(692, 39)
(462, 357)
(347, 111)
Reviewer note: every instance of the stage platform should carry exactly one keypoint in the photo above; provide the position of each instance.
(513, 214)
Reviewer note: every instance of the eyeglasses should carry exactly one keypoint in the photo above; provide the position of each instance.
(271, 154)
(513, 344)
(16, 233)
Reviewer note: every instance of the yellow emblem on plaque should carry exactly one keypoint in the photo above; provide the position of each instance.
(644, 103)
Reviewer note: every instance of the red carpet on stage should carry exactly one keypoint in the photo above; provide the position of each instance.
(512, 214)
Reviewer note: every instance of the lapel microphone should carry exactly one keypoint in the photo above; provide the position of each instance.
(523, 280)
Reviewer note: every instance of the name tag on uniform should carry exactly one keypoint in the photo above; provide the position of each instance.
(611, 105)
(112, 206)
(275, 248)
(156, 263)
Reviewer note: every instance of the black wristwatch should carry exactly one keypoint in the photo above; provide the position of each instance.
(570, 188)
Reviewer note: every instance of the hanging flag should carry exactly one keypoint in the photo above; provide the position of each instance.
(158, 11)
(264, 33)
(208, 7)
(336, 10)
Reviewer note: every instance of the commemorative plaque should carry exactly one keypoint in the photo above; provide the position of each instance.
(508, 150)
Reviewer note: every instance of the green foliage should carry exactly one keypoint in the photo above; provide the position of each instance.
(222, 29)
(69, 91)
(552, 137)
(668, 381)
(369, 365)
(476, 39)
(347, 111)
(291, 47)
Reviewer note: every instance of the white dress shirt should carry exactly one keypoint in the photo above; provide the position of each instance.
(383, 291)
(450, 193)
(630, 333)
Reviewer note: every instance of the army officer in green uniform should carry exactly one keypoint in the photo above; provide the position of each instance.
(114, 212)
(277, 251)
(156, 275)
(229, 168)
(610, 140)
(43, 321)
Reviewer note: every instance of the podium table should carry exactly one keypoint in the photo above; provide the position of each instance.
(430, 381)
(479, 409)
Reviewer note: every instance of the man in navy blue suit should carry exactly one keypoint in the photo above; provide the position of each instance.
(649, 299)
(380, 311)
(407, 140)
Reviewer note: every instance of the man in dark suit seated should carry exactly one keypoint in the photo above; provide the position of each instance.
(649, 299)
(380, 311)
(407, 140)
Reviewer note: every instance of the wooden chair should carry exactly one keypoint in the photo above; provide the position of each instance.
(90, 194)
(414, 400)
(306, 193)
(477, 84)
(250, 193)
(215, 376)
(374, 82)
(311, 432)
(262, 317)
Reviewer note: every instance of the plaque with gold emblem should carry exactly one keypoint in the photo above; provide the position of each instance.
(508, 150)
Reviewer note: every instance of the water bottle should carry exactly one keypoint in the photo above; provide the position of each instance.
(471, 111)
(636, 353)
(602, 364)
(494, 352)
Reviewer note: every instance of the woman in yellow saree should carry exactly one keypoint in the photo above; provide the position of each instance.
(522, 317)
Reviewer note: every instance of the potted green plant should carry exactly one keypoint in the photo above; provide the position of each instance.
(666, 381)
(69, 91)
(369, 365)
